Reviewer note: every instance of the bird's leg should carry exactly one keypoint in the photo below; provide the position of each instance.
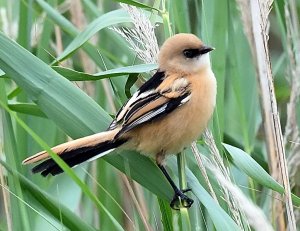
(179, 199)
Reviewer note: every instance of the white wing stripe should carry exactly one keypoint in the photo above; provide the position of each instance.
(183, 101)
(132, 101)
(149, 115)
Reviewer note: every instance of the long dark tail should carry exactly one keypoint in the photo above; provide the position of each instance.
(76, 152)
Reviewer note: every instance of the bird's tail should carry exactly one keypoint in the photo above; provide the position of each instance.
(75, 152)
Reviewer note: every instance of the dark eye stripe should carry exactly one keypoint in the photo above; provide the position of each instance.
(191, 53)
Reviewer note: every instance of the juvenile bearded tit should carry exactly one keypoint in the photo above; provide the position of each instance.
(164, 116)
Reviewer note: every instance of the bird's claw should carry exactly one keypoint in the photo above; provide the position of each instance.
(180, 200)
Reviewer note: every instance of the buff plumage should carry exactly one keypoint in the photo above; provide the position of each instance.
(163, 117)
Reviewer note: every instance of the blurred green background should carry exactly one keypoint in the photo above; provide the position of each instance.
(45, 100)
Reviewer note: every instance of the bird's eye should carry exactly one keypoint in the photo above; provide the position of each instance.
(191, 53)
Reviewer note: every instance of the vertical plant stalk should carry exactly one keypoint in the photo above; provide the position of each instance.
(291, 136)
(184, 214)
(181, 170)
(5, 201)
(291, 128)
(166, 20)
(257, 23)
(10, 149)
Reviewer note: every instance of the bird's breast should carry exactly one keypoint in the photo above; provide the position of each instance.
(182, 126)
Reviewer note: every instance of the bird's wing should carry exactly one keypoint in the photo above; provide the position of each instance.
(147, 90)
(155, 99)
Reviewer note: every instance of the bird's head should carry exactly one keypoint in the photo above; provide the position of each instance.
(184, 53)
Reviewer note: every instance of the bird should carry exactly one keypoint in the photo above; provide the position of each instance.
(163, 117)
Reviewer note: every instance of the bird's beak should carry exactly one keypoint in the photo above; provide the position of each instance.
(205, 49)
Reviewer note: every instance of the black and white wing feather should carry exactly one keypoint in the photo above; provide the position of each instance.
(155, 99)
(144, 95)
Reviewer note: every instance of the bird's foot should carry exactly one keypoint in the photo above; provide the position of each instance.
(180, 200)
